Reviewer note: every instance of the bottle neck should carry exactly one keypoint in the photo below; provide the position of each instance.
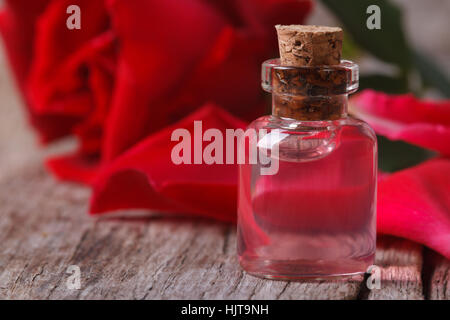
(310, 108)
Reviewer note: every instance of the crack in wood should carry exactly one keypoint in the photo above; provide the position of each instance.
(282, 291)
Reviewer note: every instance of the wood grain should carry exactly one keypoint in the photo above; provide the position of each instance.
(132, 258)
(438, 277)
(401, 270)
(44, 229)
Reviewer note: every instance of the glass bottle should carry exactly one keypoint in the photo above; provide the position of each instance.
(316, 216)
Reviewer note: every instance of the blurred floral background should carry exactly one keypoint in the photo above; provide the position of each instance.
(105, 99)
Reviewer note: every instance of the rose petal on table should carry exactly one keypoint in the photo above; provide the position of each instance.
(74, 167)
(146, 177)
(403, 117)
(415, 204)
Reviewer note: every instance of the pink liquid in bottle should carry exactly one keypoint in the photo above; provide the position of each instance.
(316, 217)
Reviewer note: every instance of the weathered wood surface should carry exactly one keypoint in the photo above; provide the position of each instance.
(44, 229)
(401, 270)
(438, 276)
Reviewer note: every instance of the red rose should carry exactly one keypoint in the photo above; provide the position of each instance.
(134, 68)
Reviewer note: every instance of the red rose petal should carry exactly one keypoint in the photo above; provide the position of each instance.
(415, 204)
(52, 73)
(234, 68)
(161, 42)
(262, 15)
(403, 117)
(74, 167)
(18, 30)
(47, 59)
(72, 70)
(149, 179)
(197, 53)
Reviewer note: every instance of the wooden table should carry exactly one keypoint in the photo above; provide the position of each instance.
(44, 229)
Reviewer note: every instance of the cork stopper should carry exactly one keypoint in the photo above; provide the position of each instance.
(305, 45)
(311, 82)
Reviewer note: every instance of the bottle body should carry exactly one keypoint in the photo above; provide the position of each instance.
(316, 216)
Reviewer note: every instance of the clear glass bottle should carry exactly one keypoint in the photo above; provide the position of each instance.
(316, 217)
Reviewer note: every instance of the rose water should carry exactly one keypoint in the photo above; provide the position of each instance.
(316, 216)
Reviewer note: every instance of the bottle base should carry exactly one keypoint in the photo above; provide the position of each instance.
(305, 269)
